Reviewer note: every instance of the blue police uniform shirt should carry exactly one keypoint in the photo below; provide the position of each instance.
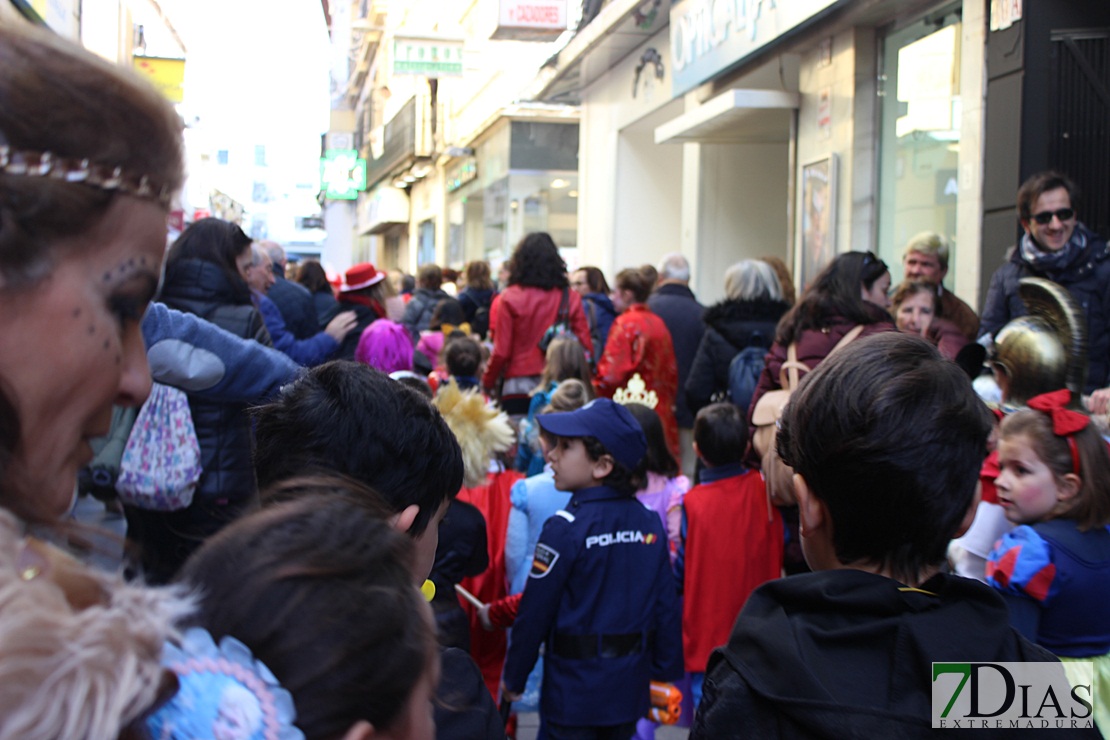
(601, 595)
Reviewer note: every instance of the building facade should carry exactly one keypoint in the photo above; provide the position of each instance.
(730, 129)
(458, 166)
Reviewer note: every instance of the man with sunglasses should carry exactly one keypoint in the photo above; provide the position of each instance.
(1056, 246)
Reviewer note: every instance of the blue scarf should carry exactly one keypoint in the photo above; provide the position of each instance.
(1043, 261)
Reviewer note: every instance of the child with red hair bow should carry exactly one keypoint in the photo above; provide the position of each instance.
(1054, 568)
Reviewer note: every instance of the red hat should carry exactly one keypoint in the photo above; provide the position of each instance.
(362, 275)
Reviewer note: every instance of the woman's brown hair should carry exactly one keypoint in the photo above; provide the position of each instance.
(324, 555)
(97, 112)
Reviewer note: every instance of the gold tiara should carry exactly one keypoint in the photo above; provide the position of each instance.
(82, 172)
(636, 392)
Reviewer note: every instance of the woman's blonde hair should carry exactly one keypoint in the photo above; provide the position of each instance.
(570, 395)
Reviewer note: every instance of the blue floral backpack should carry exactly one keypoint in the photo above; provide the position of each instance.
(161, 461)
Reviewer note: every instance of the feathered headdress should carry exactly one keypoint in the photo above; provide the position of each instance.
(482, 430)
(81, 648)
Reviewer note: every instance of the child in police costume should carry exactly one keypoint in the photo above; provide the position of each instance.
(601, 594)
(886, 439)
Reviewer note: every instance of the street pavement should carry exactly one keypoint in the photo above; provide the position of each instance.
(528, 724)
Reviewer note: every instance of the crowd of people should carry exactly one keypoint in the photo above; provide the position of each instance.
(415, 504)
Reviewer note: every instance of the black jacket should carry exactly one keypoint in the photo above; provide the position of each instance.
(462, 552)
(223, 429)
(464, 709)
(296, 306)
(471, 299)
(682, 314)
(418, 312)
(364, 317)
(1086, 277)
(327, 307)
(730, 326)
(847, 654)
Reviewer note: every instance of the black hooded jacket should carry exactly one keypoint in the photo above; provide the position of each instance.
(847, 654)
(730, 326)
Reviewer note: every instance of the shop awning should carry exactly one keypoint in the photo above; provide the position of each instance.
(734, 117)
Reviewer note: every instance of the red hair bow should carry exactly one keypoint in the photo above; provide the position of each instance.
(1065, 422)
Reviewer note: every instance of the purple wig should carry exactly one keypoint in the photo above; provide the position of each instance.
(385, 345)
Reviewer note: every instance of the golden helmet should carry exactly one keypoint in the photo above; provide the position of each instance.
(1045, 350)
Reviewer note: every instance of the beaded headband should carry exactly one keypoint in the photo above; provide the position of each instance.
(83, 172)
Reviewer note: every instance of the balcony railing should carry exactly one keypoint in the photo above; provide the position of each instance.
(406, 136)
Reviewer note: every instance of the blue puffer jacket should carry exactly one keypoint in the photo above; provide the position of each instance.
(1086, 277)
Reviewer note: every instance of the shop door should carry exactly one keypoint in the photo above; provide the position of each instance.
(1079, 137)
(919, 146)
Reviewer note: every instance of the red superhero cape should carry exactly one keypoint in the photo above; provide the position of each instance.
(492, 499)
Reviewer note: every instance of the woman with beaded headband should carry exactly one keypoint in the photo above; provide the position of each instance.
(90, 157)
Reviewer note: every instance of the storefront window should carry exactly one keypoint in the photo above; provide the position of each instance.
(919, 148)
(523, 179)
(545, 201)
(427, 241)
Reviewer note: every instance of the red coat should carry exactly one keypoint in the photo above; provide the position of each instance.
(733, 544)
(523, 315)
(946, 336)
(640, 343)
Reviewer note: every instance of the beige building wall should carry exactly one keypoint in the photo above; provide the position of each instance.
(630, 189)
(851, 135)
(964, 275)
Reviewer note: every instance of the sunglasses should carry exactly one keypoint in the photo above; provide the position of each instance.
(1045, 217)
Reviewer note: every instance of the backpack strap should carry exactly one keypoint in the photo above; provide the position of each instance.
(844, 340)
(790, 372)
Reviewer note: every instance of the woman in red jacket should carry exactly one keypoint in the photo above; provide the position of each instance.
(538, 287)
(640, 343)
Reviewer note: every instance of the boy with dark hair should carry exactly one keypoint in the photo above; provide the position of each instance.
(731, 537)
(463, 358)
(886, 438)
(600, 593)
(349, 418)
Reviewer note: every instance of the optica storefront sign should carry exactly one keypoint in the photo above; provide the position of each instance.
(709, 36)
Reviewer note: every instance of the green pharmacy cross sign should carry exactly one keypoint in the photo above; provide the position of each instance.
(342, 174)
